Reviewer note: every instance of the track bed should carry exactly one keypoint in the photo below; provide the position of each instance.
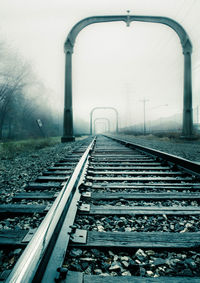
(130, 215)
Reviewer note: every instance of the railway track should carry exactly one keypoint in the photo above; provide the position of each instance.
(123, 214)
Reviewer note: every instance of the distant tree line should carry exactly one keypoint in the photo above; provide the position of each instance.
(23, 100)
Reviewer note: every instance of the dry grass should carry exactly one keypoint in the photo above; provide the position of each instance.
(10, 149)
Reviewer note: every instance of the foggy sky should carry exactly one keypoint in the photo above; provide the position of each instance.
(113, 65)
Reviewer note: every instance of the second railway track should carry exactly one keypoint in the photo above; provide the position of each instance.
(125, 214)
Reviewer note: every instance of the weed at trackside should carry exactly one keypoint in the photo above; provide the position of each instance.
(10, 149)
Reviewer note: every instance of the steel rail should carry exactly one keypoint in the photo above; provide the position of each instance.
(28, 264)
(189, 166)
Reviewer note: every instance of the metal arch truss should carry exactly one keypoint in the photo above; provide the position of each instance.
(103, 120)
(187, 127)
(96, 108)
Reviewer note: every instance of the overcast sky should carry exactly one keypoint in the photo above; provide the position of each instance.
(113, 65)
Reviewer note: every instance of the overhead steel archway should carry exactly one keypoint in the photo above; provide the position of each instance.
(102, 119)
(96, 108)
(187, 127)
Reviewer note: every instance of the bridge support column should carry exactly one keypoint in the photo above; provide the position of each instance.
(187, 129)
(91, 113)
(68, 113)
(117, 122)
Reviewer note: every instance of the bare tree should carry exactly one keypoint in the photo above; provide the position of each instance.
(23, 98)
(13, 78)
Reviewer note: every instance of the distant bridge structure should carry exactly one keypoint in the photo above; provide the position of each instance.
(101, 123)
(106, 107)
(102, 119)
(187, 127)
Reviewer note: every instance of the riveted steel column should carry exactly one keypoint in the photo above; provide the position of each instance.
(187, 129)
(91, 113)
(108, 125)
(68, 113)
(117, 122)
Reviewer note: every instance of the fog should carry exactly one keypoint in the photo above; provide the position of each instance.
(113, 65)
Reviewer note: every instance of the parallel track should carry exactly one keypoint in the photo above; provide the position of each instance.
(137, 191)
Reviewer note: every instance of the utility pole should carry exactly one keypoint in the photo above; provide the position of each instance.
(144, 107)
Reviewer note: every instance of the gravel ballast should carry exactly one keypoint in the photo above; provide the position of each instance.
(146, 263)
(15, 173)
(159, 223)
(151, 203)
(25, 167)
(21, 222)
(186, 149)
